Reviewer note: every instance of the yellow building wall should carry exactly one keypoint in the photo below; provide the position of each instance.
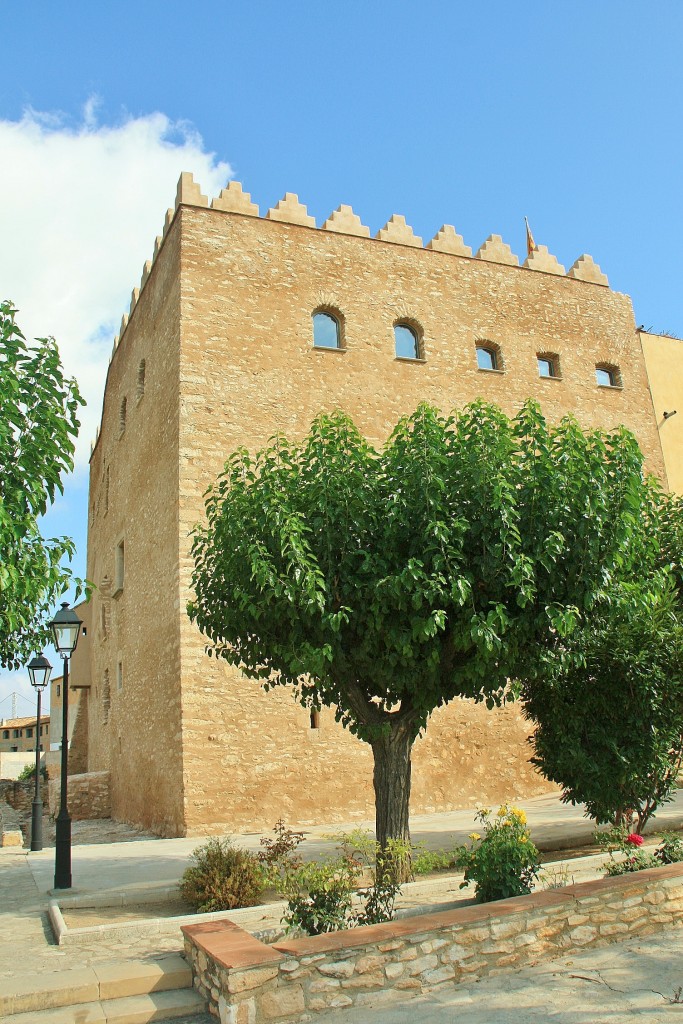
(663, 360)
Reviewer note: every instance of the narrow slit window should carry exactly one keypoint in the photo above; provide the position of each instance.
(140, 390)
(315, 719)
(122, 417)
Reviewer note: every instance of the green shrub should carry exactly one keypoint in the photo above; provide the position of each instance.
(424, 861)
(321, 893)
(278, 858)
(670, 851)
(222, 878)
(504, 862)
(619, 840)
(29, 772)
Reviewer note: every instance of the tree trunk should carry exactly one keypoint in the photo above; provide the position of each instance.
(391, 779)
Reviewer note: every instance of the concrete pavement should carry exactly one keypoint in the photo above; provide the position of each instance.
(614, 984)
(146, 862)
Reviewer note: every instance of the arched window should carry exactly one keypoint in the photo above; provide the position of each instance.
(608, 376)
(489, 356)
(140, 390)
(406, 342)
(326, 330)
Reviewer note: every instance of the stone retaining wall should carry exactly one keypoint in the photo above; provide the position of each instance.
(18, 795)
(88, 796)
(247, 982)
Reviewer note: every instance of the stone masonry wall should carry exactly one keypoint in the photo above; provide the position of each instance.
(249, 369)
(247, 982)
(217, 353)
(89, 796)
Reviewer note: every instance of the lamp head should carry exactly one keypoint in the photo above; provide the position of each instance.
(39, 669)
(65, 627)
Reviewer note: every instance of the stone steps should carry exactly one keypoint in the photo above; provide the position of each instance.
(125, 992)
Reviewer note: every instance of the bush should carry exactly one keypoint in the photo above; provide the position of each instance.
(620, 840)
(321, 894)
(424, 861)
(29, 772)
(278, 858)
(505, 862)
(223, 878)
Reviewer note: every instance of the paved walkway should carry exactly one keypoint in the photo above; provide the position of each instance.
(27, 945)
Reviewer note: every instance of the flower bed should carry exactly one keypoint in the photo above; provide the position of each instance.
(247, 982)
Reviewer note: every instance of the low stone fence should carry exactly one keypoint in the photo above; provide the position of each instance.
(248, 982)
(89, 796)
(18, 795)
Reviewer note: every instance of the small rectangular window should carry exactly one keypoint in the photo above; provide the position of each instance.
(119, 676)
(547, 367)
(29, 734)
(607, 377)
(59, 690)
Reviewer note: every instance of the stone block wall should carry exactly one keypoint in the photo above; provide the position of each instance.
(18, 795)
(247, 982)
(89, 796)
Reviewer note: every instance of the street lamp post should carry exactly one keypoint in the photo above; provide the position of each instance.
(65, 627)
(39, 669)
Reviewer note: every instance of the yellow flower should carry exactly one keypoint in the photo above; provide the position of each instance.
(519, 815)
(474, 836)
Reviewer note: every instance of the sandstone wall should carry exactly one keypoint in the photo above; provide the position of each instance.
(134, 700)
(249, 369)
(222, 329)
(88, 796)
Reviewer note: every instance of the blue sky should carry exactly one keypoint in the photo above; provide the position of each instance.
(445, 112)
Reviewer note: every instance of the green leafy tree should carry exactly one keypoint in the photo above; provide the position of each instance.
(386, 583)
(38, 426)
(609, 720)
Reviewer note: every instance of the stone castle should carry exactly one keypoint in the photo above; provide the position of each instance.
(244, 326)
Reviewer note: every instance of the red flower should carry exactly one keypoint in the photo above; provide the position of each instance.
(634, 839)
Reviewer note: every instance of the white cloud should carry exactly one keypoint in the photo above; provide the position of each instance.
(80, 207)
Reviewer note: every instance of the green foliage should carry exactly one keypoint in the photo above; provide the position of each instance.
(278, 858)
(631, 857)
(609, 719)
(670, 850)
(222, 878)
(29, 772)
(38, 426)
(504, 862)
(384, 583)
(425, 861)
(321, 893)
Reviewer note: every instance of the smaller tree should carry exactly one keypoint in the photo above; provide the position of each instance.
(38, 427)
(609, 717)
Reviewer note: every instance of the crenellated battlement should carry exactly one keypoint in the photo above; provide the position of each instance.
(289, 210)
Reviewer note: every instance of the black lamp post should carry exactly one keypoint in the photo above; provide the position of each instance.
(39, 669)
(65, 627)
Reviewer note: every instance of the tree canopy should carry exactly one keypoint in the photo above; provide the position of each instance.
(38, 426)
(387, 582)
(609, 718)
